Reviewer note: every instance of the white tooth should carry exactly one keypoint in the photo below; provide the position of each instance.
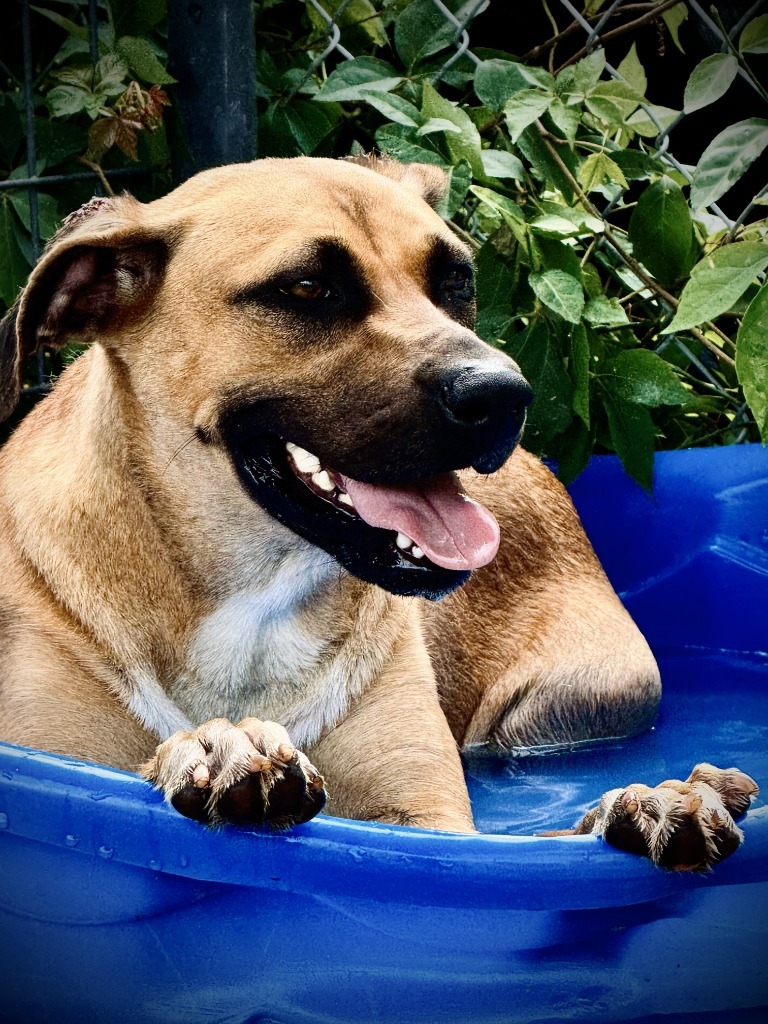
(402, 541)
(344, 499)
(323, 481)
(305, 461)
(417, 552)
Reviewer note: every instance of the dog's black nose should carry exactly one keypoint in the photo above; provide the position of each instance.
(482, 407)
(476, 394)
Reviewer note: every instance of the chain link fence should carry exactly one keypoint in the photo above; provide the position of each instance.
(219, 118)
(594, 31)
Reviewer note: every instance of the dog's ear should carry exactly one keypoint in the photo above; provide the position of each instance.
(428, 181)
(101, 266)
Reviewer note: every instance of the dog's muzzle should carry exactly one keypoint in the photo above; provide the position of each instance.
(390, 507)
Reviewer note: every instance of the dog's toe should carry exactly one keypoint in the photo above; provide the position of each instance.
(683, 826)
(246, 774)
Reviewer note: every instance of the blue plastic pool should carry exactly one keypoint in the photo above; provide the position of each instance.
(115, 910)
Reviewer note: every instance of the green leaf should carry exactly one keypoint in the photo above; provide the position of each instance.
(67, 100)
(612, 102)
(11, 131)
(726, 159)
(544, 168)
(497, 80)
(459, 180)
(13, 267)
(578, 364)
(395, 108)
(404, 144)
(110, 75)
(56, 141)
(538, 351)
(142, 59)
(524, 108)
(495, 283)
(353, 78)
(637, 165)
(633, 72)
(596, 169)
(420, 31)
(647, 126)
(554, 254)
(566, 118)
(600, 311)
(644, 378)
(577, 81)
(584, 222)
(560, 292)
(661, 229)
(572, 449)
(79, 31)
(436, 124)
(632, 433)
(511, 213)
(495, 278)
(709, 81)
(136, 17)
(49, 218)
(754, 38)
(497, 163)
(674, 18)
(717, 282)
(752, 359)
(311, 124)
(462, 146)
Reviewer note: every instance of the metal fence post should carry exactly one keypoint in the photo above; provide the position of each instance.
(211, 52)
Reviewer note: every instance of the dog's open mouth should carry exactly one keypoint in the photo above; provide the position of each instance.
(416, 538)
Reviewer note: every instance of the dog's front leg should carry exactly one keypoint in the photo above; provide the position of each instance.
(393, 757)
(248, 773)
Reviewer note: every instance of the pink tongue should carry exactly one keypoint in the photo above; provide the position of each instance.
(451, 529)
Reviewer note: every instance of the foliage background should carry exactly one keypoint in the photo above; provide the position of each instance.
(635, 307)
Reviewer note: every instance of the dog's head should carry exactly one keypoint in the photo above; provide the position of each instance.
(313, 318)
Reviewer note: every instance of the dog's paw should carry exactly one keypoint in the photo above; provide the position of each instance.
(683, 826)
(247, 774)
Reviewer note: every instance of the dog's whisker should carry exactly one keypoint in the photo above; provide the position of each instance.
(178, 452)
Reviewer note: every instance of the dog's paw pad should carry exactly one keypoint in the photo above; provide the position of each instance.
(683, 826)
(246, 774)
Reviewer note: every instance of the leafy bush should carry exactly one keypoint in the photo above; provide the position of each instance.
(636, 314)
(600, 268)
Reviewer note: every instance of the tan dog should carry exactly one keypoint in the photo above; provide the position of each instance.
(232, 503)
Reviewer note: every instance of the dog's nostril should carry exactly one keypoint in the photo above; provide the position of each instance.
(474, 395)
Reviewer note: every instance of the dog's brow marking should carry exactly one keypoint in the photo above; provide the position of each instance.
(149, 702)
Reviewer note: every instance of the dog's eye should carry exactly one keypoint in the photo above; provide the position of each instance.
(457, 283)
(310, 288)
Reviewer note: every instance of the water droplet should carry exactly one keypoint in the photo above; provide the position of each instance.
(98, 796)
(71, 840)
(184, 860)
(3, 821)
(106, 852)
(155, 865)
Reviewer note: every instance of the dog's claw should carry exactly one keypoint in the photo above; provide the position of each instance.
(683, 826)
(629, 802)
(246, 774)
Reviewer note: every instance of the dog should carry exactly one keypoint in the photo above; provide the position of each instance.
(225, 532)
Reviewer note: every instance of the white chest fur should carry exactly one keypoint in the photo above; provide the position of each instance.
(289, 651)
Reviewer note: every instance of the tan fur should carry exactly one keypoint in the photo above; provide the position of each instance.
(128, 545)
